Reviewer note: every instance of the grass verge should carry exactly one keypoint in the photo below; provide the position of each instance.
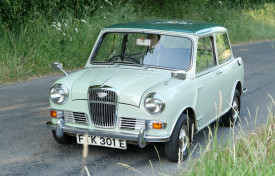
(249, 154)
(29, 49)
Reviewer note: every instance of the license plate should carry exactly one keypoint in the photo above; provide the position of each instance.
(102, 141)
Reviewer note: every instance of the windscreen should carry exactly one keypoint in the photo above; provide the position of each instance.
(144, 49)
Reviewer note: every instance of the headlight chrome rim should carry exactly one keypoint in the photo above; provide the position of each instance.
(59, 94)
(154, 103)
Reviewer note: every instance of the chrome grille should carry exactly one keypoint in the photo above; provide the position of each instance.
(103, 107)
(131, 123)
(75, 117)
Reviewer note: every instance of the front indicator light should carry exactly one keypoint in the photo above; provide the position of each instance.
(56, 114)
(53, 114)
(157, 125)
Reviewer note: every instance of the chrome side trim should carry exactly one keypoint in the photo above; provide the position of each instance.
(142, 137)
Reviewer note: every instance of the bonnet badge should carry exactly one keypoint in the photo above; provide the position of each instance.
(101, 94)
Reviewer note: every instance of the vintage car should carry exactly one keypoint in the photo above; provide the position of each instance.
(149, 82)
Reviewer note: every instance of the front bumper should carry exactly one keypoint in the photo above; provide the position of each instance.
(60, 127)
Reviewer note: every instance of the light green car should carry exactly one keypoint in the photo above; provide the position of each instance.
(147, 82)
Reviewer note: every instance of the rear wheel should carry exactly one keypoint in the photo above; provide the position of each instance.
(231, 117)
(65, 140)
(179, 141)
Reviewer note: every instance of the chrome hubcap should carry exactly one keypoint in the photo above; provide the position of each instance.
(183, 140)
(235, 107)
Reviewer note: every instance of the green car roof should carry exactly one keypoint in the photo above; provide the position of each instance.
(192, 27)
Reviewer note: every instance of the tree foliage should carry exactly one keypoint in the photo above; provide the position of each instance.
(14, 12)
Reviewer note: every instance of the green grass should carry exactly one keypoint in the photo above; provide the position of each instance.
(28, 49)
(244, 154)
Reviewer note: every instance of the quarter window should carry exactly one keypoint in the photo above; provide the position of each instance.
(205, 54)
(223, 47)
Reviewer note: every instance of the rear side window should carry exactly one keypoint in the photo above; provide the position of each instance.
(205, 54)
(223, 47)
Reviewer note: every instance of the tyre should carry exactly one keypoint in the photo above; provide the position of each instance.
(231, 117)
(179, 140)
(65, 140)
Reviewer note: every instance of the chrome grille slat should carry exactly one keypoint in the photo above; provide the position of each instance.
(102, 105)
(131, 123)
(99, 102)
(75, 117)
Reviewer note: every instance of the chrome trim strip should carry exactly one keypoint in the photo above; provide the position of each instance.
(103, 133)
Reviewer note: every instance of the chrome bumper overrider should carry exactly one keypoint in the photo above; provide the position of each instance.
(60, 127)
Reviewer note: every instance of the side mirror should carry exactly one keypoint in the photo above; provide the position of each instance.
(178, 75)
(58, 66)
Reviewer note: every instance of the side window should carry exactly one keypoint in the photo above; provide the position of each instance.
(205, 54)
(223, 47)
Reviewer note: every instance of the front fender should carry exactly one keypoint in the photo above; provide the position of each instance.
(178, 95)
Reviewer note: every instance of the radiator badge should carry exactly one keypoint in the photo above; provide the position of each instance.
(101, 94)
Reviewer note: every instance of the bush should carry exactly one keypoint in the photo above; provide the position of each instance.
(31, 38)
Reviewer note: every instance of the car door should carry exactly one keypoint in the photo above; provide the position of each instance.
(207, 83)
(227, 70)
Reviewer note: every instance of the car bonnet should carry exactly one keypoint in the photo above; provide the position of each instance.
(130, 84)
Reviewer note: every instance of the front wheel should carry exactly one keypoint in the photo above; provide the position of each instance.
(179, 141)
(231, 117)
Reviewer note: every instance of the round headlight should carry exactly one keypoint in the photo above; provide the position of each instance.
(154, 103)
(59, 93)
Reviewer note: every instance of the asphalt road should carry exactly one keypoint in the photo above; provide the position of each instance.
(28, 148)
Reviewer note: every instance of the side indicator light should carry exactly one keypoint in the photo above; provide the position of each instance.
(53, 114)
(157, 125)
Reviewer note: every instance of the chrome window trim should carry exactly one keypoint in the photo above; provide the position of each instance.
(216, 48)
(214, 54)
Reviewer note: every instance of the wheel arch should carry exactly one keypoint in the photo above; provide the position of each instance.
(239, 87)
(191, 115)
